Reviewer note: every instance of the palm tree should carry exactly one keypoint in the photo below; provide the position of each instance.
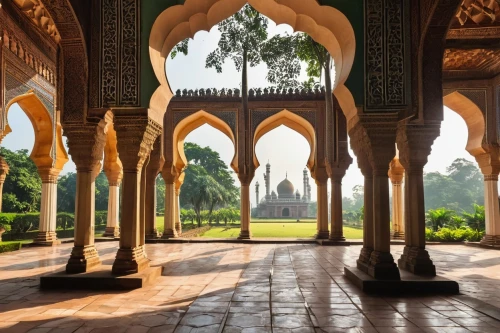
(207, 194)
(475, 220)
(437, 218)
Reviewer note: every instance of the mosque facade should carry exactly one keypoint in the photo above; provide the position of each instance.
(288, 202)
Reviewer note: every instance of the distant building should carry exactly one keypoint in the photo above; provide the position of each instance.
(288, 202)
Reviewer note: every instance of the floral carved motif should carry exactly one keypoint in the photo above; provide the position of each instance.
(39, 15)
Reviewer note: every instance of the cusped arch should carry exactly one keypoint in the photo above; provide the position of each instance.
(325, 24)
(292, 121)
(189, 124)
(41, 121)
(473, 117)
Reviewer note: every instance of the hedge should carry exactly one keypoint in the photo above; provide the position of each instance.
(8, 247)
(453, 235)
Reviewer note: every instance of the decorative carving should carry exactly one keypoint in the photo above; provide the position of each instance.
(229, 117)
(471, 63)
(478, 12)
(130, 53)
(109, 52)
(270, 94)
(37, 13)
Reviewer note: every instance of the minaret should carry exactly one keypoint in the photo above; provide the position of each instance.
(267, 178)
(305, 179)
(257, 193)
(308, 190)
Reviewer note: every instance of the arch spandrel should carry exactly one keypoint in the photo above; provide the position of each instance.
(325, 24)
(48, 150)
(473, 117)
(292, 121)
(189, 124)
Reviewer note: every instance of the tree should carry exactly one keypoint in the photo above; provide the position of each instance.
(22, 189)
(438, 218)
(66, 191)
(475, 220)
(243, 36)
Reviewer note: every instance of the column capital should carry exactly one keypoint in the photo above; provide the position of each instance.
(396, 171)
(4, 169)
(320, 176)
(415, 144)
(489, 160)
(135, 138)
(49, 175)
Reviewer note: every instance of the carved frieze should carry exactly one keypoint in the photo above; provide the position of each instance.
(385, 82)
(36, 12)
(478, 12)
(471, 63)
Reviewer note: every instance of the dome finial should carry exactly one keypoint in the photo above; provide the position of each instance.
(286, 175)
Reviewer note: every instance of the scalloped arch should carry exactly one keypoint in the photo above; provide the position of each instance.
(292, 121)
(325, 24)
(41, 120)
(473, 117)
(189, 124)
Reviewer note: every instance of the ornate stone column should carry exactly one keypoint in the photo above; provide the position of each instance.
(368, 233)
(337, 223)
(169, 218)
(414, 144)
(135, 142)
(490, 167)
(245, 210)
(86, 147)
(4, 170)
(48, 208)
(396, 174)
(154, 167)
(321, 178)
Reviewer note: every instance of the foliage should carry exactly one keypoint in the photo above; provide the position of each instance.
(160, 195)
(453, 235)
(23, 187)
(66, 192)
(25, 222)
(438, 218)
(8, 247)
(101, 217)
(475, 220)
(65, 220)
(455, 222)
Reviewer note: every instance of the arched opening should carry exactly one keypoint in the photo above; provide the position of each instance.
(285, 212)
(325, 24)
(191, 123)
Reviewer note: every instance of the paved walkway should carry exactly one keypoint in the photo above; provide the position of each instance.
(244, 288)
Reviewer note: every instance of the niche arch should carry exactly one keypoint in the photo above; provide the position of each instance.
(47, 138)
(292, 121)
(189, 124)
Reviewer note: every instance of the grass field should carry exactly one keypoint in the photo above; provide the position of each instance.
(270, 228)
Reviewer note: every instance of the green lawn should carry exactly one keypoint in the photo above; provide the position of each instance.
(278, 230)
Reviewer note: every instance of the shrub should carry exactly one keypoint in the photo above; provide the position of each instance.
(8, 247)
(65, 220)
(25, 222)
(101, 217)
(7, 218)
(453, 235)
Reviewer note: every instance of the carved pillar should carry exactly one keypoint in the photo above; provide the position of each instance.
(48, 208)
(112, 224)
(135, 142)
(169, 217)
(4, 170)
(368, 232)
(490, 167)
(337, 225)
(245, 210)
(154, 167)
(414, 144)
(396, 174)
(86, 147)
(321, 178)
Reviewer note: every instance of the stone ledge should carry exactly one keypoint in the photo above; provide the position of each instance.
(100, 278)
(409, 284)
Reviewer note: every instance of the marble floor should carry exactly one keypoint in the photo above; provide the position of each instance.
(222, 287)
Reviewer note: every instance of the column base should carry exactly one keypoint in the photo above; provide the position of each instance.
(112, 232)
(322, 235)
(417, 261)
(153, 235)
(336, 237)
(46, 238)
(82, 259)
(364, 259)
(491, 240)
(383, 267)
(244, 234)
(130, 261)
(397, 235)
(169, 233)
(178, 228)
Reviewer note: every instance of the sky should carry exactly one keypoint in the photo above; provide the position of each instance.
(286, 150)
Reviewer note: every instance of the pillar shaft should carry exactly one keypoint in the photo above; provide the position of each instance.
(151, 202)
(414, 144)
(4, 170)
(48, 211)
(169, 218)
(337, 223)
(322, 222)
(368, 235)
(245, 212)
(491, 211)
(178, 223)
(396, 174)
(112, 223)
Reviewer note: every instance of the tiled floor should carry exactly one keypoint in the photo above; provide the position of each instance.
(245, 288)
